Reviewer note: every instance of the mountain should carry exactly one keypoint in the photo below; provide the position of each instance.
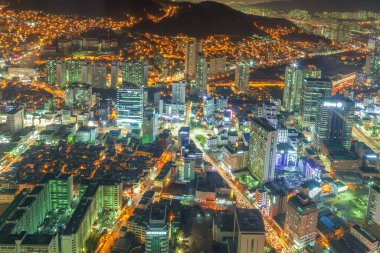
(192, 19)
(207, 18)
(322, 5)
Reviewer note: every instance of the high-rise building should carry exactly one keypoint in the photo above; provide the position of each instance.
(135, 72)
(130, 105)
(74, 71)
(114, 74)
(334, 121)
(61, 73)
(294, 77)
(99, 77)
(187, 174)
(183, 137)
(217, 65)
(269, 110)
(78, 96)
(86, 69)
(301, 221)
(149, 125)
(192, 48)
(242, 75)
(208, 107)
(51, 70)
(372, 219)
(157, 232)
(372, 68)
(262, 150)
(313, 90)
(15, 120)
(200, 76)
(179, 93)
(249, 231)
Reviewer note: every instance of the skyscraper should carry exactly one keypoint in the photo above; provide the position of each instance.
(135, 72)
(192, 48)
(269, 110)
(157, 234)
(242, 75)
(179, 93)
(301, 221)
(200, 76)
(183, 137)
(334, 121)
(262, 150)
(130, 105)
(372, 219)
(74, 74)
(312, 91)
(51, 70)
(86, 69)
(15, 120)
(149, 125)
(114, 74)
(208, 107)
(61, 73)
(99, 77)
(294, 77)
(249, 231)
(372, 68)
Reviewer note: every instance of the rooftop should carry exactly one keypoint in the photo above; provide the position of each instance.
(264, 123)
(250, 220)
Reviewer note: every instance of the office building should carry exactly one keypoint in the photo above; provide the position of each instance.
(78, 96)
(135, 72)
(157, 232)
(372, 67)
(149, 125)
(187, 173)
(301, 221)
(15, 120)
(272, 199)
(217, 65)
(192, 48)
(249, 231)
(200, 76)
(51, 69)
(334, 121)
(235, 158)
(86, 134)
(313, 90)
(114, 75)
(262, 149)
(366, 238)
(372, 219)
(130, 105)
(294, 78)
(242, 75)
(179, 93)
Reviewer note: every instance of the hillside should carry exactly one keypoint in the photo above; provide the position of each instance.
(323, 5)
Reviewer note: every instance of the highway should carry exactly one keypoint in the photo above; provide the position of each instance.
(272, 237)
(356, 132)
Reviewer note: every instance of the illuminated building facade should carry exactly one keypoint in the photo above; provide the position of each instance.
(262, 149)
(149, 125)
(135, 72)
(312, 91)
(242, 75)
(334, 121)
(130, 105)
(157, 232)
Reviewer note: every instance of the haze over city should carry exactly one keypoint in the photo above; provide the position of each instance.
(159, 126)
